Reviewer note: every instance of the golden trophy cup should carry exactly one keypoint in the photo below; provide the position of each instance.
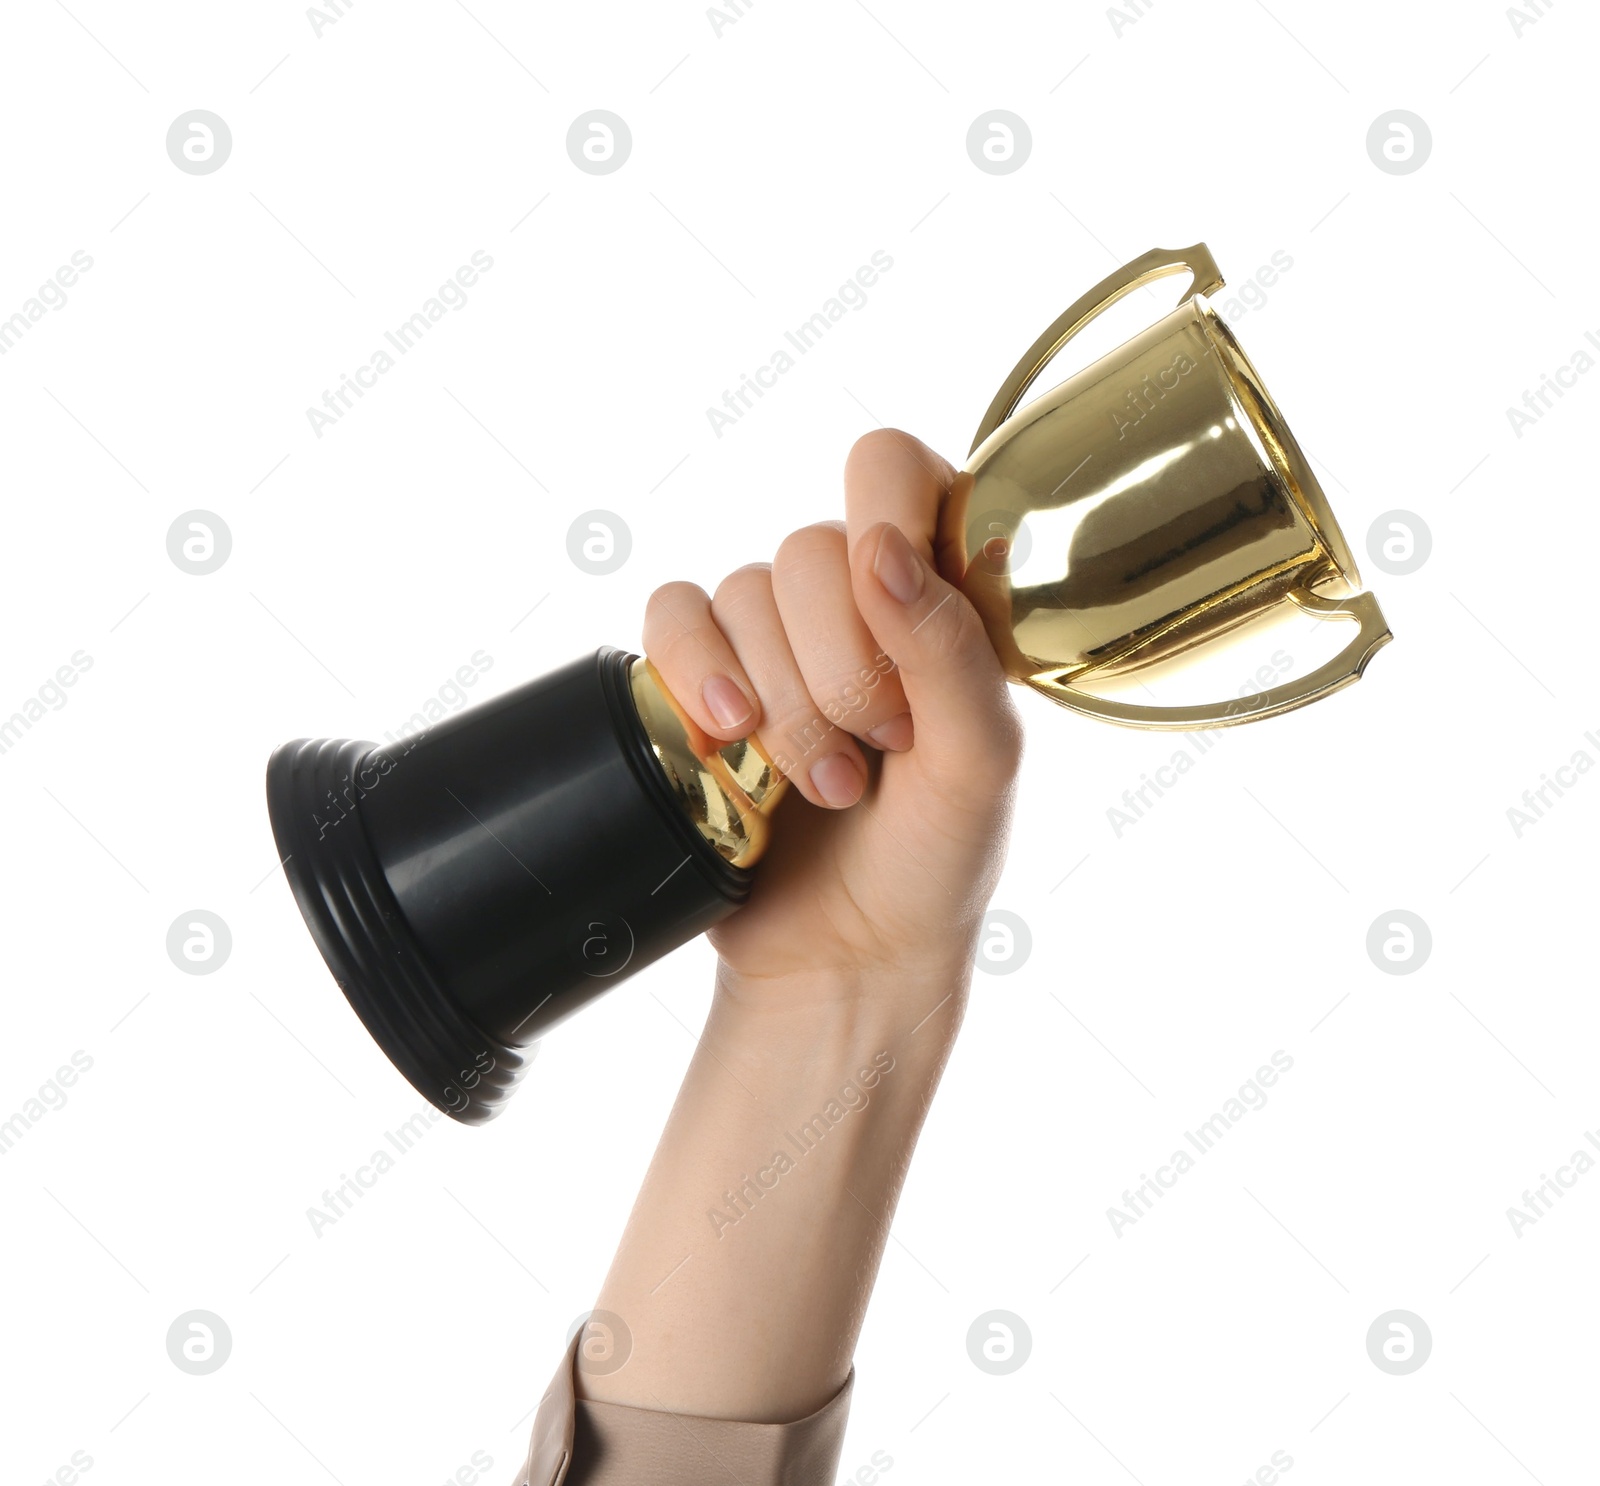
(1145, 506)
(1167, 502)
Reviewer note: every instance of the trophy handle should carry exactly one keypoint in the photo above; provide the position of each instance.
(1339, 672)
(1156, 264)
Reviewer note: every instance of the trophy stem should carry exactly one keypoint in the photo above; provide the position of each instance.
(728, 794)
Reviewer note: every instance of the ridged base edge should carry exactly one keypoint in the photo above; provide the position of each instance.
(313, 788)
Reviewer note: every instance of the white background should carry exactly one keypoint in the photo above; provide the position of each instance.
(768, 163)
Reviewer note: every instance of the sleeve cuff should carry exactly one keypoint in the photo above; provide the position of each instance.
(579, 1443)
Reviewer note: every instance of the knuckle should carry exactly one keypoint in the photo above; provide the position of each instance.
(877, 442)
(676, 602)
(882, 444)
(820, 542)
(864, 697)
(951, 633)
(688, 647)
(741, 588)
(798, 735)
(678, 631)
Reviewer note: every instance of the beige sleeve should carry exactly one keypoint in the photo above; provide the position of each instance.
(578, 1443)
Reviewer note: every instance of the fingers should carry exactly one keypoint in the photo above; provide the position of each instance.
(823, 761)
(853, 632)
(891, 476)
(967, 730)
(697, 663)
(850, 680)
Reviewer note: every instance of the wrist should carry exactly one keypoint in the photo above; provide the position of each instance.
(825, 1012)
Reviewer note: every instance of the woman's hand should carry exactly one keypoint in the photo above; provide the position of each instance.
(868, 678)
(745, 1270)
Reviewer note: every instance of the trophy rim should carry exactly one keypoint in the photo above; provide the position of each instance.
(1282, 448)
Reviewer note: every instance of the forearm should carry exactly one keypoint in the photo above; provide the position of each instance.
(746, 1266)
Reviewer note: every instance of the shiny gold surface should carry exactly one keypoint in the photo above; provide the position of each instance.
(1164, 501)
(728, 793)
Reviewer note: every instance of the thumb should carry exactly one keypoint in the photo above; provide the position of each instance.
(967, 731)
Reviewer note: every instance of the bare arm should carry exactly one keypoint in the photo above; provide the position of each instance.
(746, 1266)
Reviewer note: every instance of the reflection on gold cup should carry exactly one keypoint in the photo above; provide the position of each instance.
(1151, 502)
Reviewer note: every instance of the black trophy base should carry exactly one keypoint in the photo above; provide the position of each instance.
(474, 885)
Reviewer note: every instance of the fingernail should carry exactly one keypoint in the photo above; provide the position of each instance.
(893, 736)
(724, 701)
(898, 568)
(837, 779)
